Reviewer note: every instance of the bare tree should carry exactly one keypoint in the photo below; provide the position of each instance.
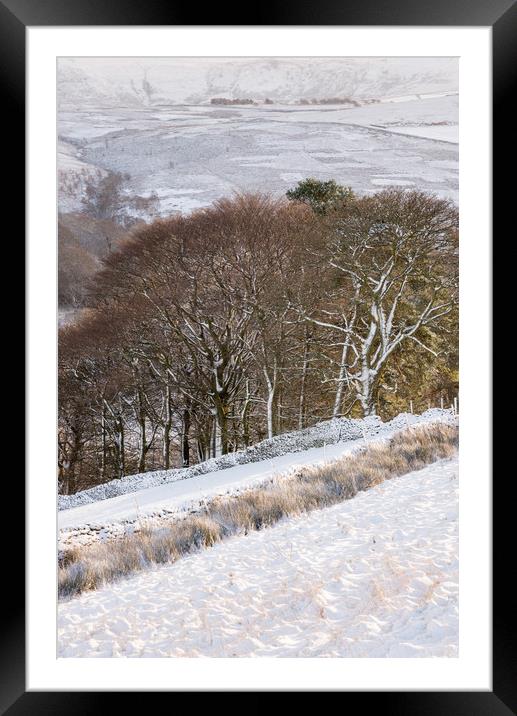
(396, 255)
(209, 332)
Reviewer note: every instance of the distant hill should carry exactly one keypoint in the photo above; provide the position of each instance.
(137, 82)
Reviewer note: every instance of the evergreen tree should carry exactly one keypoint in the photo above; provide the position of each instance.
(320, 195)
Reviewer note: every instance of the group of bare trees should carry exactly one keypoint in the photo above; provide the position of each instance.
(212, 331)
(106, 197)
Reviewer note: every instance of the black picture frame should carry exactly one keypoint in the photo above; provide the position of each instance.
(501, 15)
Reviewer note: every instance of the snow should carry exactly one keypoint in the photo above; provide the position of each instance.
(198, 154)
(184, 494)
(279, 448)
(408, 111)
(151, 505)
(391, 182)
(150, 82)
(375, 576)
(73, 174)
(445, 133)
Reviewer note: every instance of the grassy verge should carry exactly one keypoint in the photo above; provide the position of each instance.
(311, 488)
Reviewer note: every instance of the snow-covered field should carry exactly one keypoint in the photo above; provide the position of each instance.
(191, 155)
(376, 576)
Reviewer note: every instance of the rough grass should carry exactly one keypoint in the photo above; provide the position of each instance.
(82, 569)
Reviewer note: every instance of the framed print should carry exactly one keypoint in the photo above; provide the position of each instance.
(258, 262)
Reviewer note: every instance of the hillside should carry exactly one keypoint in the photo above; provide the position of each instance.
(112, 509)
(97, 236)
(145, 82)
(330, 432)
(192, 156)
(375, 576)
(83, 241)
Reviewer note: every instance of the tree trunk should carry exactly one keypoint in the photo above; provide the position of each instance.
(368, 407)
(70, 480)
(366, 394)
(245, 417)
(341, 382)
(72, 464)
(201, 449)
(270, 401)
(221, 429)
(142, 448)
(185, 433)
(215, 441)
(121, 467)
(270, 408)
(104, 439)
(167, 424)
(203, 438)
(301, 403)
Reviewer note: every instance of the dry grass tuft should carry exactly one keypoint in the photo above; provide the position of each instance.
(82, 569)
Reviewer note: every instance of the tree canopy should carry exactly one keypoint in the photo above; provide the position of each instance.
(320, 195)
(254, 316)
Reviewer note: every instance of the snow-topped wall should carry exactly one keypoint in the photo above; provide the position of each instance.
(328, 432)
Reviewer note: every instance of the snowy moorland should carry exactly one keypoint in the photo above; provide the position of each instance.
(191, 155)
(375, 576)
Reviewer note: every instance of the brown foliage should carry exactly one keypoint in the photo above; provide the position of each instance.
(211, 331)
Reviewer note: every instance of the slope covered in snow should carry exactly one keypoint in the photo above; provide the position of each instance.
(151, 506)
(273, 454)
(192, 155)
(376, 576)
(152, 81)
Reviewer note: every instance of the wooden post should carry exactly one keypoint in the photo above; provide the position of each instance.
(411, 406)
